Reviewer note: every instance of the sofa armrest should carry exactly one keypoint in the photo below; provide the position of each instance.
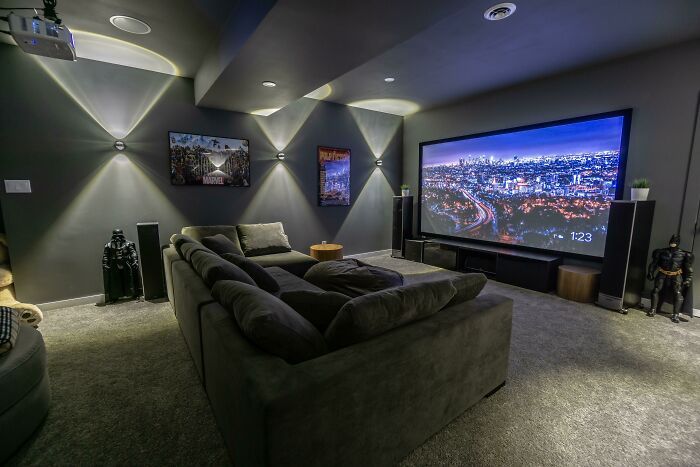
(370, 403)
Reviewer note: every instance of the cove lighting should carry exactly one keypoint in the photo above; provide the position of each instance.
(391, 106)
(269, 84)
(111, 50)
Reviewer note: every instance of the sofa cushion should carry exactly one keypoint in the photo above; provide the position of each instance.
(261, 277)
(293, 261)
(198, 232)
(213, 268)
(221, 244)
(319, 308)
(263, 239)
(290, 282)
(352, 277)
(269, 323)
(468, 287)
(376, 313)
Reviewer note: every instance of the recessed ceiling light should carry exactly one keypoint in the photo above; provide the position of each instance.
(129, 24)
(389, 79)
(500, 11)
(269, 84)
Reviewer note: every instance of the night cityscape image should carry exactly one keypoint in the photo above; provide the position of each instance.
(546, 188)
(334, 176)
(208, 160)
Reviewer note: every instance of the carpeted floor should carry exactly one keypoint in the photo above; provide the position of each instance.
(586, 386)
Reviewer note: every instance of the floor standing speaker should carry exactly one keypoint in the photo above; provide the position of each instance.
(402, 225)
(626, 250)
(151, 261)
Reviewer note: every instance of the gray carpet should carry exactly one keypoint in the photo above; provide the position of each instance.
(586, 387)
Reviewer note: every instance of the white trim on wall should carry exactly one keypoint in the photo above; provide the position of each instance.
(90, 299)
(369, 253)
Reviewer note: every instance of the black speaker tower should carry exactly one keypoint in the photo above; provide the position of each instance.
(402, 225)
(151, 260)
(626, 251)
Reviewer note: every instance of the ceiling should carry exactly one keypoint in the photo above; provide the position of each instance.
(438, 52)
(181, 29)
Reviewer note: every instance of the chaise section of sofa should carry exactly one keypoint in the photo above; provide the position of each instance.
(367, 404)
(293, 261)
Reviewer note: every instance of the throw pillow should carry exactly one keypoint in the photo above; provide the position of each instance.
(373, 314)
(263, 239)
(221, 244)
(188, 249)
(177, 240)
(468, 287)
(269, 323)
(352, 277)
(261, 277)
(6, 277)
(319, 308)
(212, 268)
(9, 328)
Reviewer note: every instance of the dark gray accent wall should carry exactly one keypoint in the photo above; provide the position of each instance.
(662, 87)
(83, 188)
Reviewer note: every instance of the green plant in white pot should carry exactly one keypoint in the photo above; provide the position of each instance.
(405, 190)
(640, 189)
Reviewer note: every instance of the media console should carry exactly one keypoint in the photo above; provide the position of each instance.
(525, 269)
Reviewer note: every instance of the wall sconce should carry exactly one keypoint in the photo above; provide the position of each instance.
(119, 145)
(378, 162)
(281, 156)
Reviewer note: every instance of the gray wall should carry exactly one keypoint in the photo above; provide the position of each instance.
(82, 188)
(662, 87)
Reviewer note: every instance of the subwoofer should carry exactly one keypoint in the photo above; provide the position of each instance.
(626, 250)
(402, 225)
(151, 260)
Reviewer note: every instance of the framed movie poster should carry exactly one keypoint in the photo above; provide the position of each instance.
(208, 160)
(333, 176)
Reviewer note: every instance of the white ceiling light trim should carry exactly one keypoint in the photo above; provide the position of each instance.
(389, 79)
(129, 24)
(269, 84)
(500, 11)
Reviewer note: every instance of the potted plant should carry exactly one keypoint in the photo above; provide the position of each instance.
(405, 190)
(640, 189)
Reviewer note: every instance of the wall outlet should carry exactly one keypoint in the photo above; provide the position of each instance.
(18, 186)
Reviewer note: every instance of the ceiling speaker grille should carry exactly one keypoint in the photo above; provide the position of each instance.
(500, 11)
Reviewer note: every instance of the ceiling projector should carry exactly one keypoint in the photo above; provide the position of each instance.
(41, 36)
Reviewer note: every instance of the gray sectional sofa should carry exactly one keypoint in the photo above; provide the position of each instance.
(370, 403)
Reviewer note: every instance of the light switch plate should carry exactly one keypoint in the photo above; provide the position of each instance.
(18, 186)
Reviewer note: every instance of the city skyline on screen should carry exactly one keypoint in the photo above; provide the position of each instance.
(547, 187)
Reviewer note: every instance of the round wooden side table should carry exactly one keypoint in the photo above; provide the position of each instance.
(327, 251)
(578, 283)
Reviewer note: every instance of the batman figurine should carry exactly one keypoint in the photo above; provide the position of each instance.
(671, 269)
(120, 268)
